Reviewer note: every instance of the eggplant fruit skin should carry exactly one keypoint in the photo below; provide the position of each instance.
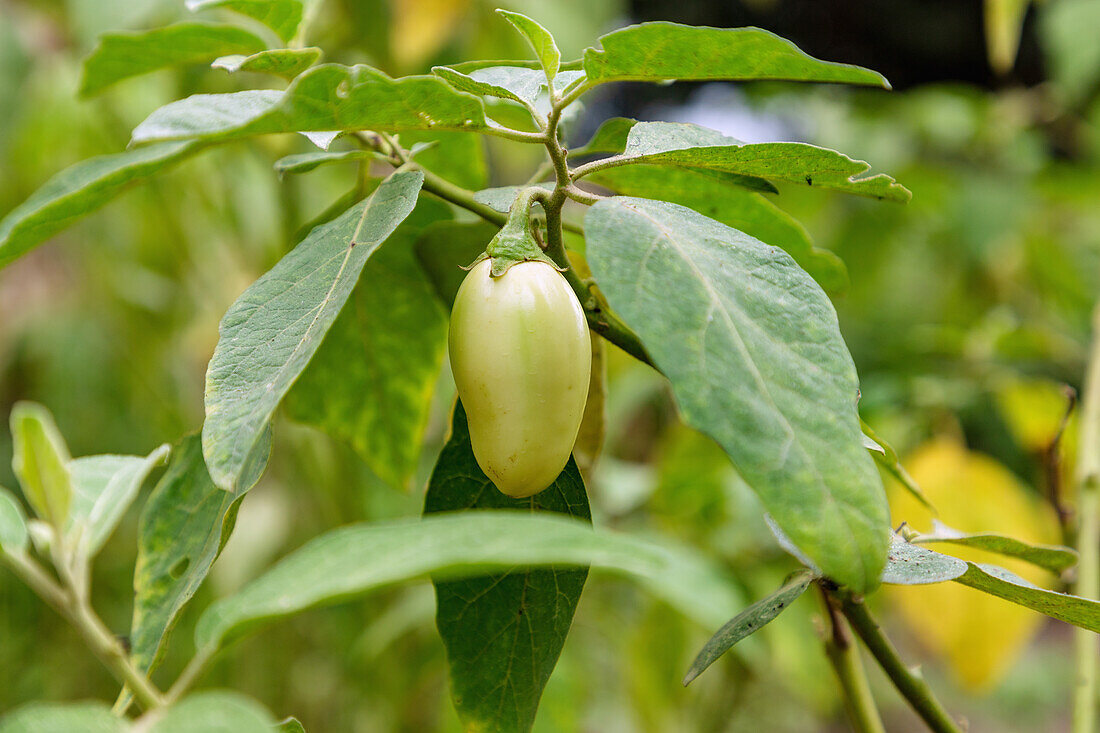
(521, 358)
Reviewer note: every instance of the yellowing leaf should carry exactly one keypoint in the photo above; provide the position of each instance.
(422, 27)
(1033, 410)
(980, 636)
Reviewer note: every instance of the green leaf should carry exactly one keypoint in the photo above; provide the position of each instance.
(290, 725)
(78, 191)
(467, 66)
(281, 16)
(13, 524)
(447, 247)
(996, 581)
(284, 62)
(62, 717)
(501, 199)
(748, 339)
(350, 561)
(457, 156)
(610, 138)
(268, 336)
(909, 564)
(661, 51)
(748, 622)
(305, 162)
(371, 381)
(327, 97)
(120, 56)
(1068, 31)
(733, 206)
(503, 632)
(103, 489)
(183, 527)
(40, 460)
(546, 50)
(681, 144)
(1054, 558)
(887, 458)
(526, 86)
(215, 711)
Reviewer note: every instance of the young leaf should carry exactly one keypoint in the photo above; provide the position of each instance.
(40, 460)
(1054, 558)
(13, 524)
(733, 206)
(909, 564)
(183, 527)
(78, 191)
(503, 632)
(356, 559)
(747, 338)
(305, 162)
(546, 50)
(120, 56)
(749, 621)
(62, 717)
(284, 62)
(370, 383)
(692, 146)
(326, 97)
(270, 333)
(103, 489)
(281, 16)
(887, 458)
(609, 138)
(661, 51)
(215, 710)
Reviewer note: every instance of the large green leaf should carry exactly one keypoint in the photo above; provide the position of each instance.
(120, 56)
(503, 632)
(371, 380)
(457, 156)
(40, 460)
(661, 51)
(754, 353)
(215, 711)
(284, 62)
(62, 717)
(271, 332)
(327, 97)
(748, 622)
(692, 146)
(78, 191)
(526, 86)
(356, 559)
(103, 489)
(281, 16)
(444, 249)
(184, 525)
(13, 524)
(733, 206)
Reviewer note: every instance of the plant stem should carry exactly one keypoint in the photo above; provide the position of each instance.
(908, 682)
(602, 164)
(98, 637)
(1088, 536)
(844, 656)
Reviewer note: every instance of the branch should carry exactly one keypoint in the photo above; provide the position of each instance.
(908, 682)
(1088, 536)
(844, 656)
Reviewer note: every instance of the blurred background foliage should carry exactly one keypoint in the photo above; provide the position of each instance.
(967, 315)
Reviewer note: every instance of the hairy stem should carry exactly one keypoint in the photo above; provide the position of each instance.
(908, 682)
(843, 654)
(97, 636)
(1088, 536)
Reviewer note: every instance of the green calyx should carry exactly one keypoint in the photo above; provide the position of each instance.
(515, 242)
